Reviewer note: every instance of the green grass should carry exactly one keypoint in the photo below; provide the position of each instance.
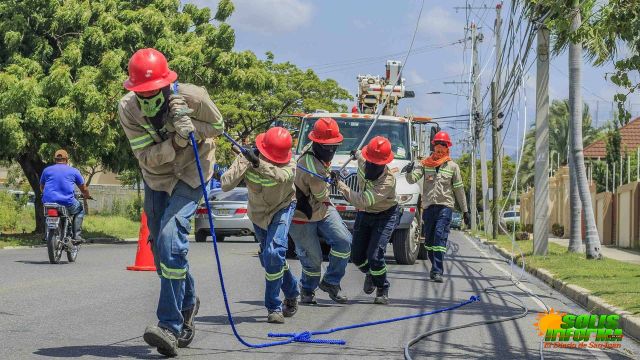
(95, 226)
(617, 282)
(101, 226)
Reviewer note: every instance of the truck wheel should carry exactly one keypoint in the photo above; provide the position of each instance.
(406, 242)
(201, 235)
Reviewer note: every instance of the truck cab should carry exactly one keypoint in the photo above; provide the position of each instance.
(408, 143)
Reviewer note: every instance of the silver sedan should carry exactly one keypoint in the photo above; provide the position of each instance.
(229, 215)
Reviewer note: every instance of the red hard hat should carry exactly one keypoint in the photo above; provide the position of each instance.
(275, 145)
(355, 109)
(378, 151)
(326, 131)
(442, 136)
(148, 70)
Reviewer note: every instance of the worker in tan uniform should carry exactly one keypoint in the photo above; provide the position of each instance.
(377, 217)
(157, 117)
(268, 171)
(316, 217)
(442, 180)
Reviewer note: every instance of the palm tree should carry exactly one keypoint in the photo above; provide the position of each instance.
(558, 139)
(575, 102)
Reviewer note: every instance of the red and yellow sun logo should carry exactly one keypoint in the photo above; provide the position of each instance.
(550, 320)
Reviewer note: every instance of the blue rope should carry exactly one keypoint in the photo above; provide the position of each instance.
(301, 337)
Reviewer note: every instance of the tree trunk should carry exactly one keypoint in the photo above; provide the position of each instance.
(32, 166)
(575, 98)
(575, 231)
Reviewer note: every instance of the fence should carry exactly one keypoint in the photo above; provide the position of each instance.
(109, 197)
(617, 213)
(627, 211)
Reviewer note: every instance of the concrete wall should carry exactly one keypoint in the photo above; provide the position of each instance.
(627, 213)
(106, 196)
(604, 211)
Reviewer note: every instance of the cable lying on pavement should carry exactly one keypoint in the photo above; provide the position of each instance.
(524, 313)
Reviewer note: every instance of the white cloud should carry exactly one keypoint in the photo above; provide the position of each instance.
(271, 16)
(439, 24)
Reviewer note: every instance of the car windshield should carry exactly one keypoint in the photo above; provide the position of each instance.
(237, 194)
(509, 214)
(456, 215)
(354, 129)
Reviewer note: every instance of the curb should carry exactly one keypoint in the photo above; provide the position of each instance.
(629, 323)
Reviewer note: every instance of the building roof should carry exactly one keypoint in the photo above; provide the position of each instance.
(630, 141)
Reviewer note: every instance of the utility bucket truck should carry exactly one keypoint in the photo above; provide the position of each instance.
(410, 139)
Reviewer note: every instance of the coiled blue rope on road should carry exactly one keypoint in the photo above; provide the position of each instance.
(301, 337)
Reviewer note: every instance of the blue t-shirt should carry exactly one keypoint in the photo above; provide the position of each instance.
(59, 181)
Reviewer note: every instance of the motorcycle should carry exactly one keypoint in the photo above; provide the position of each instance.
(59, 233)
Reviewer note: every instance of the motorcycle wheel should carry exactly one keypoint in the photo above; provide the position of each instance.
(54, 246)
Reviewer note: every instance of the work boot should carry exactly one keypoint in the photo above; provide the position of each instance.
(334, 292)
(437, 278)
(382, 296)
(188, 327)
(77, 240)
(164, 340)
(368, 287)
(275, 317)
(307, 297)
(290, 307)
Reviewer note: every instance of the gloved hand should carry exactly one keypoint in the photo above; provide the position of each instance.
(467, 218)
(178, 107)
(334, 175)
(353, 154)
(408, 168)
(250, 155)
(179, 141)
(183, 126)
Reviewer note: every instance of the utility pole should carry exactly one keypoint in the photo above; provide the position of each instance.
(472, 125)
(496, 154)
(541, 179)
(477, 113)
(498, 159)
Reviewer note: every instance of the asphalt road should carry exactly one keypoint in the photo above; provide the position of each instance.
(96, 309)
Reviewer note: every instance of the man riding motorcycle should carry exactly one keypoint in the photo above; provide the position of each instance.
(57, 185)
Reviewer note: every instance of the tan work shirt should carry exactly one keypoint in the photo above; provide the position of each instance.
(270, 187)
(316, 189)
(376, 195)
(439, 187)
(162, 166)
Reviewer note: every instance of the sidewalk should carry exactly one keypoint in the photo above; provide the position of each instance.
(611, 252)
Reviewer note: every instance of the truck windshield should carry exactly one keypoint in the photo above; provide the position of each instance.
(354, 129)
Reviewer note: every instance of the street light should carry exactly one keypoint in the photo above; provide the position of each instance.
(444, 93)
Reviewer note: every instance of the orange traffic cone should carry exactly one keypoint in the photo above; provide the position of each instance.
(144, 256)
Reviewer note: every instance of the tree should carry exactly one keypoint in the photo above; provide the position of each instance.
(592, 240)
(291, 91)
(62, 64)
(558, 139)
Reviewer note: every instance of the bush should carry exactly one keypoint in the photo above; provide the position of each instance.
(510, 226)
(8, 212)
(134, 209)
(528, 228)
(522, 235)
(557, 230)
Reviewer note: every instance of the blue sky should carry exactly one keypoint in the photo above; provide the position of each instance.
(341, 39)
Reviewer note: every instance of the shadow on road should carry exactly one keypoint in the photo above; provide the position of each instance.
(223, 320)
(102, 351)
(32, 262)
